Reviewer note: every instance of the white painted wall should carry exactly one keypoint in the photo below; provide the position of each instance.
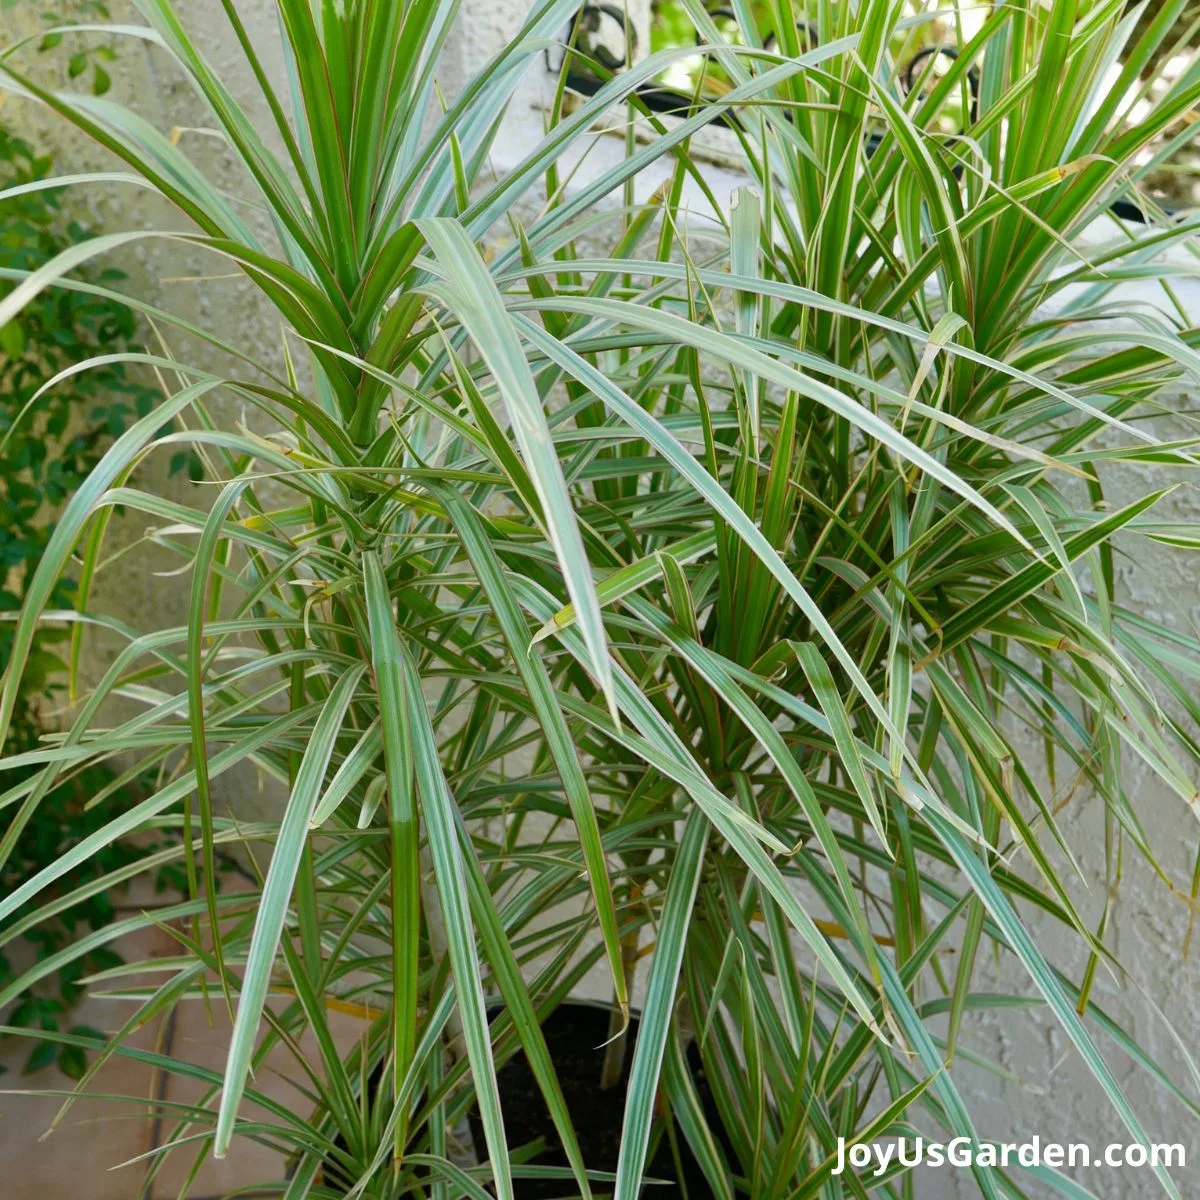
(1052, 1094)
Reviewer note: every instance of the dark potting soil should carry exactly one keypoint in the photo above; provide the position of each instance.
(575, 1034)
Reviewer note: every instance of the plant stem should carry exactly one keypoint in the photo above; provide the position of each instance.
(618, 1023)
(461, 1148)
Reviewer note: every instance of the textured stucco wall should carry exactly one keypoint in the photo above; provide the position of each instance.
(197, 285)
(1052, 1093)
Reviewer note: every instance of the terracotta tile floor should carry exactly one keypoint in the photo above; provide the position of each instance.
(197, 1039)
(95, 1136)
(81, 1159)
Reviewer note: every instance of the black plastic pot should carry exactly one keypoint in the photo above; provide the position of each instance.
(575, 1034)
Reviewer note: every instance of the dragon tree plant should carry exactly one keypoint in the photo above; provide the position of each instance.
(741, 606)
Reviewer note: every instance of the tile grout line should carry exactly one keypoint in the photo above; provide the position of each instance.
(160, 1095)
